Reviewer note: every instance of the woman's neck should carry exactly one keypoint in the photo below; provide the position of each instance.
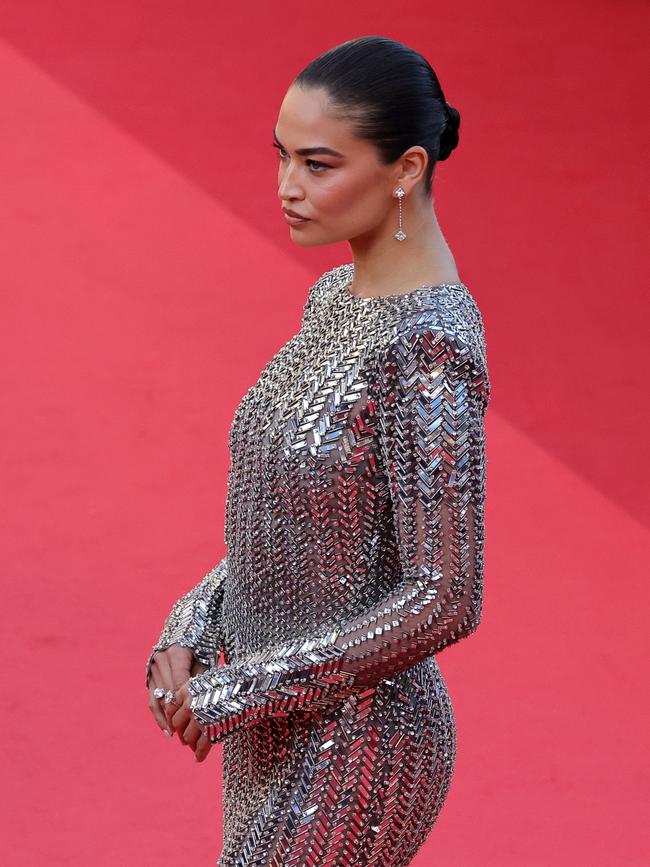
(383, 265)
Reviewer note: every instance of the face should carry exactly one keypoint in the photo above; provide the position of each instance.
(340, 186)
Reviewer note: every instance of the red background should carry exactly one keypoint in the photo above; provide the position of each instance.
(147, 275)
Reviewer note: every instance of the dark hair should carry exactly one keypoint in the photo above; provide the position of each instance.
(390, 94)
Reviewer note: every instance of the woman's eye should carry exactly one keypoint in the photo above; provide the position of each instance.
(282, 153)
(316, 163)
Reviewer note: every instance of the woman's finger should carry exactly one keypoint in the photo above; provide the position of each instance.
(203, 747)
(166, 678)
(182, 719)
(155, 705)
(171, 708)
(191, 734)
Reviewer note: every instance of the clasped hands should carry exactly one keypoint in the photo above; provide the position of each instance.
(171, 669)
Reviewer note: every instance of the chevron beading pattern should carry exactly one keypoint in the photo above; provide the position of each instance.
(355, 535)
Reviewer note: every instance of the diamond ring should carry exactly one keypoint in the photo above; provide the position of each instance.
(158, 692)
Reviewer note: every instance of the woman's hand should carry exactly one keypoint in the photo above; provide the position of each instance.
(170, 669)
(184, 722)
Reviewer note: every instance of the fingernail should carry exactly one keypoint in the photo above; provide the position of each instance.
(165, 732)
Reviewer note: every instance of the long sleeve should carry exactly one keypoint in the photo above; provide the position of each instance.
(195, 619)
(430, 400)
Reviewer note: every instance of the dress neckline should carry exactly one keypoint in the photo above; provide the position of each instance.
(348, 275)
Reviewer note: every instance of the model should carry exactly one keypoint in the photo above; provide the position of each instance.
(355, 508)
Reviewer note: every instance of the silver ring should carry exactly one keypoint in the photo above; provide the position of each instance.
(158, 692)
(169, 697)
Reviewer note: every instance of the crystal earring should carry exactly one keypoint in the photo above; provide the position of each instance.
(400, 234)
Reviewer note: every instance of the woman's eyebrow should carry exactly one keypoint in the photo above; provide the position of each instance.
(306, 152)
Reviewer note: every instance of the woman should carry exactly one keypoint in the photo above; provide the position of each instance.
(354, 518)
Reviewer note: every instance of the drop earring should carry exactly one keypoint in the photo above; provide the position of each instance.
(400, 234)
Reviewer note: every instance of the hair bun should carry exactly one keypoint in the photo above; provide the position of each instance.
(449, 134)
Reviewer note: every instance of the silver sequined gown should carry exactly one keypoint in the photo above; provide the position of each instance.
(354, 534)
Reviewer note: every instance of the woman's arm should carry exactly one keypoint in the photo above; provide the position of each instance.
(195, 619)
(431, 400)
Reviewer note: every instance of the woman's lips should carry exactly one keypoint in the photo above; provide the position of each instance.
(294, 221)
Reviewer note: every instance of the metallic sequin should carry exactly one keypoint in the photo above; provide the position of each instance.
(355, 535)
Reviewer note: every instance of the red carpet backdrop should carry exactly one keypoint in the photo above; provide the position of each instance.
(141, 239)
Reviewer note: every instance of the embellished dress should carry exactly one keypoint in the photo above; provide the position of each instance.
(354, 537)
